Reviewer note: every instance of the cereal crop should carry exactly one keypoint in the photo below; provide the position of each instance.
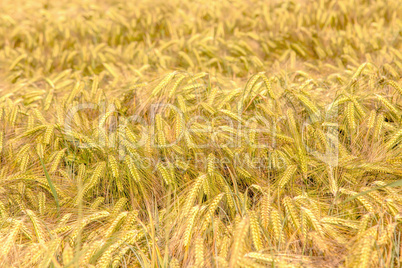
(201, 133)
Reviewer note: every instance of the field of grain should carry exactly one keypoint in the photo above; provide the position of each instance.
(201, 134)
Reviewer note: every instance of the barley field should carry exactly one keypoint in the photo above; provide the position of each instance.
(201, 134)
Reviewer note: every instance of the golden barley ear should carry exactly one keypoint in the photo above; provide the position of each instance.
(237, 250)
(255, 231)
(51, 250)
(68, 255)
(132, 168)
(199, 252)
(10, 239)
(189, 225)
(289, 172)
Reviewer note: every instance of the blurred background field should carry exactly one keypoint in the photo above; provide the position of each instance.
(325, 76)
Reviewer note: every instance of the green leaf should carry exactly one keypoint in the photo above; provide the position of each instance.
(54, 192)
(392, 184)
